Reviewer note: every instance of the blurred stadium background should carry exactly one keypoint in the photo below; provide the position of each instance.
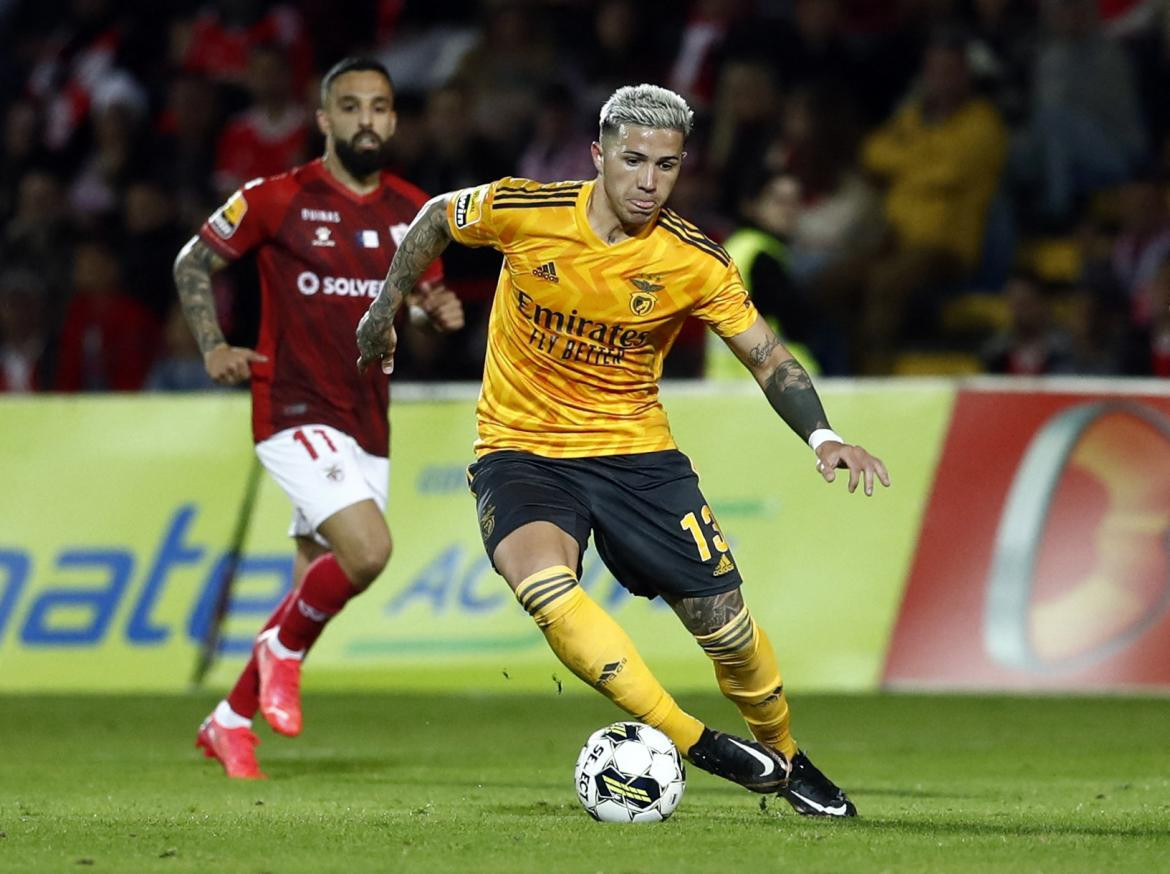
(956, 209)
(928, 188)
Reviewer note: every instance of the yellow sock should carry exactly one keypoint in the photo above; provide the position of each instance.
(596, 649)
(748, 675)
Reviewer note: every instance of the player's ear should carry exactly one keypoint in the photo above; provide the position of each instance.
(596, 154)
(323, 123)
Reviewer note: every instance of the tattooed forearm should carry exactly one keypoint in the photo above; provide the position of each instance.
(708, 614)
(426, 239)
(193, 268)
(791, 394)
(759, 354)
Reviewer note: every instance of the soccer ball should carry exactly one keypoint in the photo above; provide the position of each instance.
(629, 772)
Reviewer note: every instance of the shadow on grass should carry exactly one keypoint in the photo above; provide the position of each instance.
(898, 792)
(396, 772)
(540, 808)
(920, 827)
(311, 766)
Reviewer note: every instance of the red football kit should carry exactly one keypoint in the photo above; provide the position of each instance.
(323, 252)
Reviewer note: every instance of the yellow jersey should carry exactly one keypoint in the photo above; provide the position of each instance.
(578, 327)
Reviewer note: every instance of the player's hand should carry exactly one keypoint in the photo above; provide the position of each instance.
(832, 456)
(440, 306)
(373, 346)
(230, 365)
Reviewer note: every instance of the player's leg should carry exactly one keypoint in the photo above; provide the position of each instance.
(748, 674)
(745, 665)
(226, 734)
(361, 548)
(338, 492)
(534, 528)
(657, 537)
(244, 698)
(538, 561)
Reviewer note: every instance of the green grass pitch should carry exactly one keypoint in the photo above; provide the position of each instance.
(443, 782)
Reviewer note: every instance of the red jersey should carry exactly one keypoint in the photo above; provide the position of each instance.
(323, 252)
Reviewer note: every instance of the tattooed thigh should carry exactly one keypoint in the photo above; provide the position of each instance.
(708, 614)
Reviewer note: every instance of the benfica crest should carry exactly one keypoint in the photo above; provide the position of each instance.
(643, 300)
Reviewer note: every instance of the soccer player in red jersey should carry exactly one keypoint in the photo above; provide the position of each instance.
(323, 234)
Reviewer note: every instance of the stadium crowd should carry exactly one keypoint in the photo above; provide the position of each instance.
(907, 186)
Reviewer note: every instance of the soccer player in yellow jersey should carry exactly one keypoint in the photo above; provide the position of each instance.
(597, 279)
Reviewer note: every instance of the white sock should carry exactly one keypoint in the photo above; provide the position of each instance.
(280, 650)
(228, 718)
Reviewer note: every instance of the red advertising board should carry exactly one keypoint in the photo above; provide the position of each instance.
(1044, 554)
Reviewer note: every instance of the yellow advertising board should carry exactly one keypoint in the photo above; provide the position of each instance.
(116, 513)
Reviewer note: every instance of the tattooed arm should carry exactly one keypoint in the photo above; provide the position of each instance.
(225, 364)
(425, 240)
(790, 391)
(785, 382)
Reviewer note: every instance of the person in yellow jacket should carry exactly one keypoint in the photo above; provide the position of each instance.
(940, 158)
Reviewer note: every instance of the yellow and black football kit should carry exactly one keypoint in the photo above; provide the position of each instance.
(571, 431)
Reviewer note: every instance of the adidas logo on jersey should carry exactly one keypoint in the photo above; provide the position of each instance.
(547, 272)
(725, 566)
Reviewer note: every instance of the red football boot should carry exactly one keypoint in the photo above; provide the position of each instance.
(280, 687)
(235, 748)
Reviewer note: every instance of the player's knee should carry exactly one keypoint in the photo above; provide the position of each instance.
(363, 564)
(733, 643)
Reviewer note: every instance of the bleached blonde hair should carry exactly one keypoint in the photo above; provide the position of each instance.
(647, 106)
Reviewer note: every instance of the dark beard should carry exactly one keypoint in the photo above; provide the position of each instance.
(361, 162)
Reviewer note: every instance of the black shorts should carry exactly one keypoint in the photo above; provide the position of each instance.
(652, 526)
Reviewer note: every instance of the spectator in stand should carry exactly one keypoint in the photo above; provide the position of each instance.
(1147, 347)
(22, 136)
(74, 59)
(119, 115)
(504, 71)
(939, 158)
(840, 214)
(695, 70)
(109, 339)
(1096, 329)
(411, 137)
(769, 210)
(150, 234)
(1031, 345)
(269, 137)
(1142, 245)
(185, 148)
(218, 41)
(559, 146)
(39, 237)
(621, 47)
(179, 366)
(1003, 44)
(459, 156)
(1085, 132)
(24, 333)
(809, 48)
(746, 120)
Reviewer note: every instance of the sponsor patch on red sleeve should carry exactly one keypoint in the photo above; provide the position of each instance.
(225, 220)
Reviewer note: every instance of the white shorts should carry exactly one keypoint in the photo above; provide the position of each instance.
(322, 470)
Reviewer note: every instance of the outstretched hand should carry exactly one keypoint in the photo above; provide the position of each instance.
(230, 365)
(832, 456)
(375, 346)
